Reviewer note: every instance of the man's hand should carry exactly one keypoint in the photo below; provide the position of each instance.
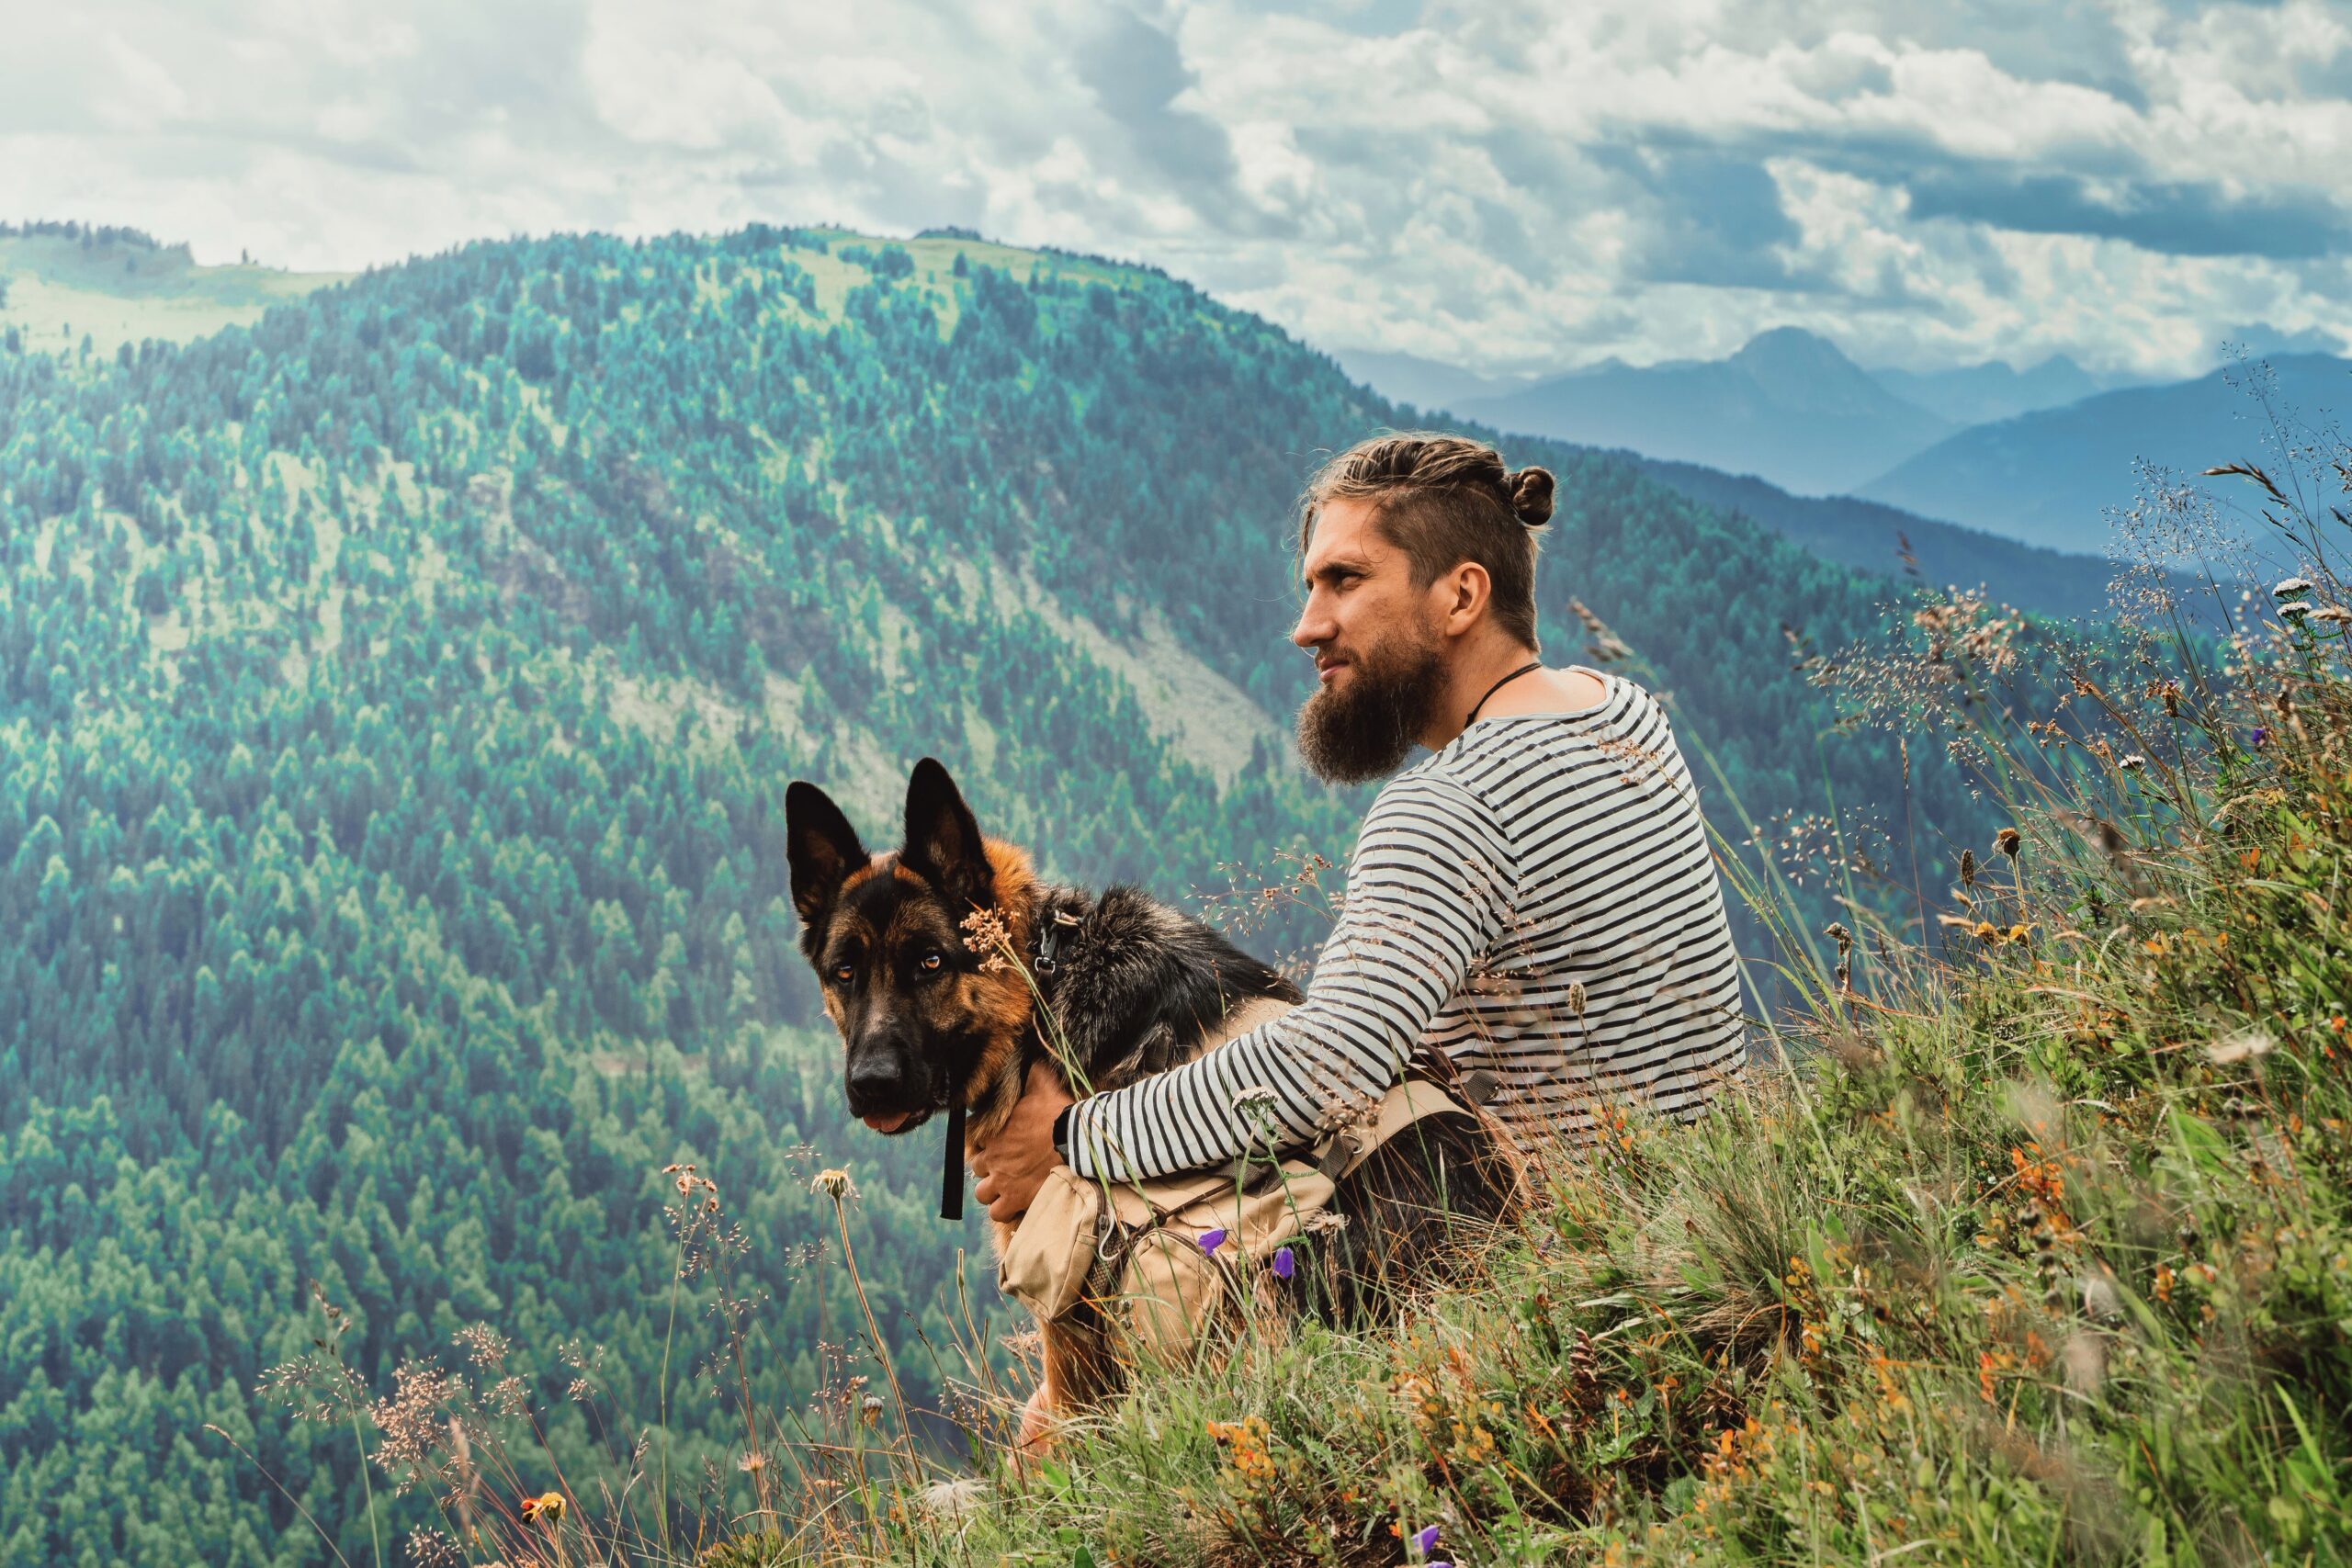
(1013, 1164)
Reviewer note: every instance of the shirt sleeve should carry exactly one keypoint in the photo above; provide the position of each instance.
(1428, 889)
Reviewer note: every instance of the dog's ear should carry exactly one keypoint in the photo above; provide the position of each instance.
(944, 840)
(822, 849)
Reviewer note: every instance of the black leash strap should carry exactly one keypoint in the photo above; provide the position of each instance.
(951, 1183)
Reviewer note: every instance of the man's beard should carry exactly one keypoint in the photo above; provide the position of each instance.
(1366, 731)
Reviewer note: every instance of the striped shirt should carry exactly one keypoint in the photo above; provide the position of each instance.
(1537, 899)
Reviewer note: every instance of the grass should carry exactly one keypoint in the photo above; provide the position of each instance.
(60, 290)
(2031, 1241)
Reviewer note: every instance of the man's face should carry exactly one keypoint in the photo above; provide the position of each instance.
(1379, 652)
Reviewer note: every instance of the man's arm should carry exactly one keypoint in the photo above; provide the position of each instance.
(1428, 888)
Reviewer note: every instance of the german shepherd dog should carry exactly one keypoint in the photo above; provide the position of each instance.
(1136, 988)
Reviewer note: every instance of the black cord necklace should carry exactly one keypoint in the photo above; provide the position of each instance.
(1531, 665)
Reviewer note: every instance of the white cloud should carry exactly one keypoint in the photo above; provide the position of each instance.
(1495, 184)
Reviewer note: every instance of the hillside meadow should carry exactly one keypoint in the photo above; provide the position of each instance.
(398, 688)
(2027, 1242)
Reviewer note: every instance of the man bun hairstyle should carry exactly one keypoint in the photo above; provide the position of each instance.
(1531, 496)
(1443, 499)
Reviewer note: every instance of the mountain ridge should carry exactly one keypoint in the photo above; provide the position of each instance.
(1789, 405)
(2054, 477)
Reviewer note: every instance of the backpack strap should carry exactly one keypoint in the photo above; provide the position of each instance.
(1414, 1099)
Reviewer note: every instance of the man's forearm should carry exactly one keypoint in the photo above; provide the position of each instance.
(1425, 890)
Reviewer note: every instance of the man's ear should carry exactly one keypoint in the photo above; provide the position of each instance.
(943, 840)
(822, 849)
(1465, 594)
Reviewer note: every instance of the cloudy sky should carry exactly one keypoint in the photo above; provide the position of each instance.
(1501, 186)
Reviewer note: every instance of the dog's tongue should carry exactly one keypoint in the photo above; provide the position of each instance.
(888, 1123)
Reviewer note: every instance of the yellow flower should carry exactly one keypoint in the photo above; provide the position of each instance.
(547, 1508)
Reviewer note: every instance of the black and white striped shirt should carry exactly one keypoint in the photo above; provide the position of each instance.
(1537, 899)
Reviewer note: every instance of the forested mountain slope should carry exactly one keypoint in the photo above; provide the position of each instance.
(396, 701)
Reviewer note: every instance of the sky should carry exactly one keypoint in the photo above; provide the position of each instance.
(1509, 187)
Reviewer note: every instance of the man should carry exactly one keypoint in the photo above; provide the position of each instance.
(1537, 899)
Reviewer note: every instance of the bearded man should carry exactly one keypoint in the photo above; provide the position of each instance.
(1536, 899)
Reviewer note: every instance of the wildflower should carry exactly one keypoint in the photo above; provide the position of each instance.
(2260, 736)
(2295, 608)
(2084, 1359)
(1212, 1240)
(547, 1508)
(834, 1184)
(2016, 935)
(431, 1548)
(870, 1409)
(953, 1499)
(1425, 1540)
(2291, 585)
(1284, 1265)
(2131, 761)
(752, 1464)
(986, 933)
(1257, 1094)
(1988, 933)
(2007, 841)
(2245, 1044)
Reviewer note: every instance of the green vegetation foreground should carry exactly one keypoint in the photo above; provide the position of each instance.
(2043, 1252)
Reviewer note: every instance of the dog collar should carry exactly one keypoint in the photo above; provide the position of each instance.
(1049, 942)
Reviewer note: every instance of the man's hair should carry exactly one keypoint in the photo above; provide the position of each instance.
(1443, 499)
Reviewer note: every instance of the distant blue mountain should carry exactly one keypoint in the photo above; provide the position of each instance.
(1902, 547)
(1430, 386)
(2051, 477)
(1977, 394)
(1870, 537)
(1788, 407)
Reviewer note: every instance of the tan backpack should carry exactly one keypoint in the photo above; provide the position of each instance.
(1134, 1249)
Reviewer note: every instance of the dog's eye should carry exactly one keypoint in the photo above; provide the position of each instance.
(844, 972)
(931, 960)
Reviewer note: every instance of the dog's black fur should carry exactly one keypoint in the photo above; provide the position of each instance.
(1136, 988)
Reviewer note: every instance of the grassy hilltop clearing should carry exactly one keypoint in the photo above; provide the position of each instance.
(398, 687)
(60, 284)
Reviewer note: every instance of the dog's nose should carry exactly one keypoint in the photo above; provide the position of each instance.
(876, 1081)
